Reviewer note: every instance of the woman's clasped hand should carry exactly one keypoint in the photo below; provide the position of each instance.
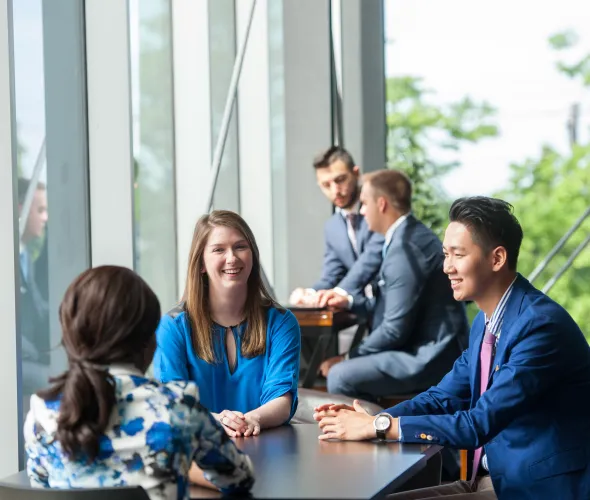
(236, 424)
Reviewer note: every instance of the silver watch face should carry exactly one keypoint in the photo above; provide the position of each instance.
(382, 423)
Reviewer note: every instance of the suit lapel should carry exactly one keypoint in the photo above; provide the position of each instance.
(511, 314)
(347, 250)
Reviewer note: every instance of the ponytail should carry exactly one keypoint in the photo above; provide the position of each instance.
(87, 398)
(108, 315)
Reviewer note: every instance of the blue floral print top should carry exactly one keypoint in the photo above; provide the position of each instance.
(155, 431)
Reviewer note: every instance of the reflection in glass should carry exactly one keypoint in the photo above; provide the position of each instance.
(51, 172)
(33, 289)
(153, 147)
(33, 293)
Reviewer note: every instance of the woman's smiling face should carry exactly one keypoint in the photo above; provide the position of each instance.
(227, 258)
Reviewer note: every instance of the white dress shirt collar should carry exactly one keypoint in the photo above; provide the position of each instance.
(393, 227)
(355, 209)
(494, 323)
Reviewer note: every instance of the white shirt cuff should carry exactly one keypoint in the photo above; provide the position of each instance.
(344, 293)
(399, 428)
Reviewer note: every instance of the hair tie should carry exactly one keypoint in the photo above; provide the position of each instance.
(89, 365)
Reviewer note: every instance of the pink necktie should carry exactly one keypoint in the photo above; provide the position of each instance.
(485, 361)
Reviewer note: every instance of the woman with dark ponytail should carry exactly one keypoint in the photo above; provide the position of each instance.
(103, 422)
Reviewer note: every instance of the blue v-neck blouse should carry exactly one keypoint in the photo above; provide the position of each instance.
(253, 382)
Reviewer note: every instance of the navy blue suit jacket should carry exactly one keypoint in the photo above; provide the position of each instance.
(415, 317)
(342, 268)
(534, 418)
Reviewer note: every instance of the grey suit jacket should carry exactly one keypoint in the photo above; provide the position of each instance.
(415, 316)
(342, 267)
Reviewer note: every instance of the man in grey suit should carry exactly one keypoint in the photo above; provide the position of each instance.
(352, 254)
(419, 330)
(33, 310)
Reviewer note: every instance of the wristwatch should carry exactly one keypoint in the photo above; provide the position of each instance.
(382, 423)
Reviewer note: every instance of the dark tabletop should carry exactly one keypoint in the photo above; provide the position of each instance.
(290, 462)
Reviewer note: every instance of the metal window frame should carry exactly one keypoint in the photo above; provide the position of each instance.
(192, 121)
(10, 353)
(109, 132)
(363, 81)
(255, 142)
(299, 207)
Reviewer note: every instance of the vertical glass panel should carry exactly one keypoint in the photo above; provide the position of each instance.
(498, 105)
(153, 147)
(278, 148)
(32, 299)
(222, 54)
(52, 177)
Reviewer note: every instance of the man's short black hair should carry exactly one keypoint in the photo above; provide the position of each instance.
(333, 154)
(492, 224)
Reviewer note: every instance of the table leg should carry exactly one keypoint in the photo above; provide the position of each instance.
(307, 346)
(319, 354)
(358, 335)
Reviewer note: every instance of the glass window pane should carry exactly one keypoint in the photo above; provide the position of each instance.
(52, 171)
(497, 106)
(153, 147)
(32, 300)
(222, 54)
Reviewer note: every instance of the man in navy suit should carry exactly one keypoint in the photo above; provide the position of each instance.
(352, 252)
(519, 395)
(419, 330)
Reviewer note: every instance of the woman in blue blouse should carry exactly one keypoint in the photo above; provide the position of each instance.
(228, 334)
(103, 422)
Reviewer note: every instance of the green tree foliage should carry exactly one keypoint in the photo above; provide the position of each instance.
(580, 69)
(549, 193)
(416, 129)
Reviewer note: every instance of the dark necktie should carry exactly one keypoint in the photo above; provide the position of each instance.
(351, 221)
(485, 361)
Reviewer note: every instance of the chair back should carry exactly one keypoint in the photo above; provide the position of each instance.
(18, 487)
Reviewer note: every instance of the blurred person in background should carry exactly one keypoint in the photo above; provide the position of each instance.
(419, 330)
(32, 304)
(352, 253)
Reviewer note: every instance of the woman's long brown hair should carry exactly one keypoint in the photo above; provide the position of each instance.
(108, 315)
(196, 292)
